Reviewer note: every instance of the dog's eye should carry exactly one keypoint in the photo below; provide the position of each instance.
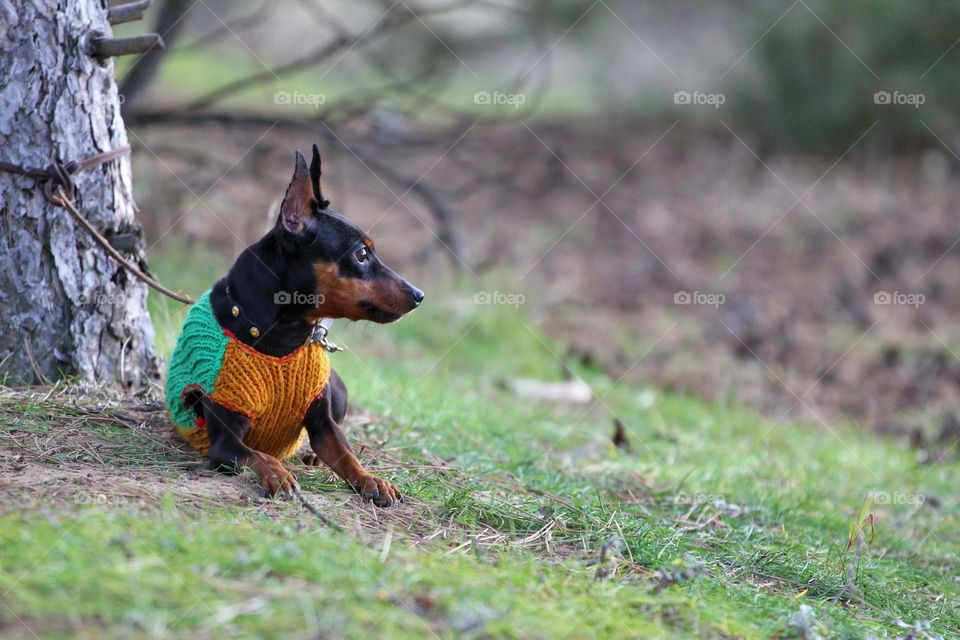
(362, 254)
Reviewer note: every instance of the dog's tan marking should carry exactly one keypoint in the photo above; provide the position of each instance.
(341, 295)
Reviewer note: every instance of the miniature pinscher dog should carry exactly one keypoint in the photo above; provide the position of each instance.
(313, 264)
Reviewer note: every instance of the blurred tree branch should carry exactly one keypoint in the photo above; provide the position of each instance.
(366, 121)
(225, 28)
(169, 24)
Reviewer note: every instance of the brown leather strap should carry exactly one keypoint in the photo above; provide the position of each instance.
(59, 190)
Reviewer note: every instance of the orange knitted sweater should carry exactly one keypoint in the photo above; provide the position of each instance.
(273, 392)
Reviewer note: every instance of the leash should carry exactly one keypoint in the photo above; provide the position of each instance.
(61, 198)
(60, 190)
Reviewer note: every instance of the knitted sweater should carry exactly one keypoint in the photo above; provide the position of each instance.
(274, 393)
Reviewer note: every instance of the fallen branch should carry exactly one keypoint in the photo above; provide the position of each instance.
(314, 510)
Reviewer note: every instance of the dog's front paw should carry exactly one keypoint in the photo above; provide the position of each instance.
(274, 477)
(381, 491)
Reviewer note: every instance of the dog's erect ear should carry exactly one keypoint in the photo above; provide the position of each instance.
(297, 205)
(315, 174)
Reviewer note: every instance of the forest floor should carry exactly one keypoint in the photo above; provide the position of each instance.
(788, 455)
(524, 518)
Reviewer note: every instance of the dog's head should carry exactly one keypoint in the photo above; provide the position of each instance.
(334, 270)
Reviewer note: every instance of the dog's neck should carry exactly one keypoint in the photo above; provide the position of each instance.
(252, 323)
(245, 302)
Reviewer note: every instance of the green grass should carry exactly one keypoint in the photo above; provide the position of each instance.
(757, 513)
(261, 577)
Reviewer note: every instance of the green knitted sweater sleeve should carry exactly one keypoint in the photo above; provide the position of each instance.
(196, 359)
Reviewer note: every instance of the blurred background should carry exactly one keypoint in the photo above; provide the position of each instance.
(743, 201)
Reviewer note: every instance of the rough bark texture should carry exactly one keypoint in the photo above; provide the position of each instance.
(65, 307)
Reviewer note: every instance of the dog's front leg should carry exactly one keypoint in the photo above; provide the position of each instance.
(330, 446)
(227, 429)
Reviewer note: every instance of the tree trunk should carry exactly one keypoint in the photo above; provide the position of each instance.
(65, 307)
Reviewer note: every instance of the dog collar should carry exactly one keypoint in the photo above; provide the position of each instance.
(318, 335)
(236, 313)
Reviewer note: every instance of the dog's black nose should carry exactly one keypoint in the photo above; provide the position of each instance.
(417, 295)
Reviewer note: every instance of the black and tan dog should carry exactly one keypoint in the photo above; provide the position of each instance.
(246, 378)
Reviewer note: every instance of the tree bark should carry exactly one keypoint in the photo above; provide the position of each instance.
(65, 307)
